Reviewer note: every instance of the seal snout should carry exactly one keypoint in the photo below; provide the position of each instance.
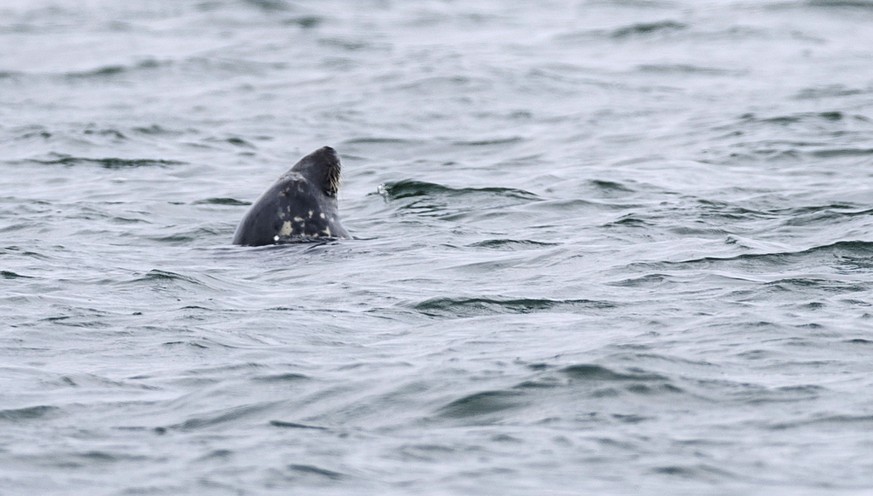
(326, 153)
(322, 167)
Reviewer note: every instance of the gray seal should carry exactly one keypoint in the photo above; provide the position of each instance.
(300, 206)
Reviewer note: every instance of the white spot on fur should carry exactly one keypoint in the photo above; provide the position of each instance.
(298, 219)
(326, 231)
(310, 214)
(286, 229)
(321, 215)
(276, 238)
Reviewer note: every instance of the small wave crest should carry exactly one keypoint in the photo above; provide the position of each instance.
(443, 202)
(471, 307)
(583, 382)
(837, 249)
(648, 29)
(27, 413)
(107, 163)
(411, 188)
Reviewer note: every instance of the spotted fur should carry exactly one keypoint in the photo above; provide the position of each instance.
(300, 206)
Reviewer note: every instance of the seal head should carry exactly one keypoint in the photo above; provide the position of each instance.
(300, 206)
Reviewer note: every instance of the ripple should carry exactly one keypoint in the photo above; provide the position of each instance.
(8, 274)
(110, 71)
(648, 28)
(107, 163)
(629, 220)
(225, 416)
(831, 421)
(610, 187)
(643, 281)
(838, 4)
(410, 188)
(28, 413)
(232, 202)
(269, 5)
(493, 141)
(90, 459)
(161, 278)
(470, 307)
(686, 69)
(481, 404)
(312, 470)
(591, 372)
(293, 425)
(511, 244)
(784, 120)
(373, 140)
(156, 130)
(187, 236)
(828, 91)
(696, 472)
(451, 204)
(839, 248)
(288, 377)
(841, 152)
(306, 22)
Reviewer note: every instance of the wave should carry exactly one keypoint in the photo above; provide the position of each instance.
(856, 247)
(269, 5)
(583, 382)
(110, 71)
(27, 413)
(794, 136)
(295, 425)
(375, 140)
(851, 255)
(471, 307)
(831, 116)
(610, 186)
(8, 274)
(158, 275)
(587, 371)
(312, 470)
(828, 91)
(410, 188)
(510, 244)
(648, 28)
(854, 4)
(107, 163)
(232, 202)
(488, 142)
(687, 69)
(482, 403)
(433, 200)
(225, 415)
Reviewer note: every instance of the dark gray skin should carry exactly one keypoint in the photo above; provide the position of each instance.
(300, 206)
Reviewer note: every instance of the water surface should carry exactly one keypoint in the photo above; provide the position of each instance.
(612, 247)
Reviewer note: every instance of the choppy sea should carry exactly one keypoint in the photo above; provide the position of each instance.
(601, 247)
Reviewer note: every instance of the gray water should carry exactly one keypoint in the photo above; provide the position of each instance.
(602, 247)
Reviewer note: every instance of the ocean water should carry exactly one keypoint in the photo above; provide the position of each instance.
(601, 247)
